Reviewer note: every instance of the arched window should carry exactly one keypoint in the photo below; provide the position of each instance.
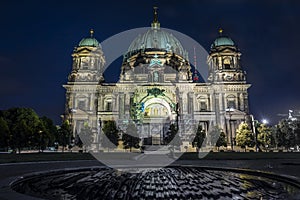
(108, 104)
(203, 103)
(227, 63)
(231, 101)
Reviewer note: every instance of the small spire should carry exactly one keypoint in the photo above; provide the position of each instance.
(155, 15)
(155, 24)
(220, 31)
(92, 33)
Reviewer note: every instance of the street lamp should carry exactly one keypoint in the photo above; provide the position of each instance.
(230, 110)
(254, 131)
(265, 121)
(40, 146)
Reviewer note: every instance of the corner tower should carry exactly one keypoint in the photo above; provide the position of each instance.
(225, 69)
(86, 74)
(229, 85)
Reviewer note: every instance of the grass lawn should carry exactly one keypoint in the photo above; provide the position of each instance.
(31, 157)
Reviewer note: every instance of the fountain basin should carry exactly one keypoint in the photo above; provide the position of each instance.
(173, 182)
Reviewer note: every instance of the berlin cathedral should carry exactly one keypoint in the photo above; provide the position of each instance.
(157, 87)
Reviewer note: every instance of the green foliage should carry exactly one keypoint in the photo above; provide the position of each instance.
(48, 133)
(65, 134)
(111, 136)
(287, 133)
(172, 137)
(131, 137)
(264, 136)
(221, 140)
(199, 138)
(24, 126)
(244, 136)
(217, 137)
(4, 134)
(86, 135)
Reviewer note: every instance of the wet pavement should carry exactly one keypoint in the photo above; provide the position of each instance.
(9, 172)
(149, 183)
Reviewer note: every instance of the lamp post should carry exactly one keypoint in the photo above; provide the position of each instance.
(98, 139)
(229, 111)
(254, 131)
(264, 121)
(40, 142)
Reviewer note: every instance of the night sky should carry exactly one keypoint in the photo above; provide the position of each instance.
(38, 37)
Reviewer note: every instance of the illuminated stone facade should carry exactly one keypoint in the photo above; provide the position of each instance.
(157, 87)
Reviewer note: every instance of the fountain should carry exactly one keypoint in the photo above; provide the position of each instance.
(173, 182)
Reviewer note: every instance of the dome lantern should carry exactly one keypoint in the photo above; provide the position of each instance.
(89, 41)
(222, 40)
(155, 24)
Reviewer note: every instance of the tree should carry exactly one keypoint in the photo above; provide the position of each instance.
(86, 135)
(264, 136)
(78, 141)
(130, 137)
(172, 138)
(51, 132)
(285, 133)
(110, 138)
(65, 134)
(199, 138)
(244, 136)
(221, 140)
(217, 137)
(24, 127)
(4, 134)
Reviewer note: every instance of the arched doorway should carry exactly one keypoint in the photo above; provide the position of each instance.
(157, 117)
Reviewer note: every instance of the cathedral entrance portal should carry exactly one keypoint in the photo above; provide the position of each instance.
(157, 117)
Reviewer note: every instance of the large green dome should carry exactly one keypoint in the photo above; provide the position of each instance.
(157, 39)
(89, 41)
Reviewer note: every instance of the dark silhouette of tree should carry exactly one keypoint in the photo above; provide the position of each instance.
(172, 138)
(110, 138)
(4, 134)
(24, 126)
(65, 134)
(287, 133)
(131, 138)
(217, 137)
(199, 138)
(51, 132)
(87, 136)
(221, 141)
(78, 141)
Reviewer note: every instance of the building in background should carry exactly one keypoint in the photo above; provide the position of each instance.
(157, 87)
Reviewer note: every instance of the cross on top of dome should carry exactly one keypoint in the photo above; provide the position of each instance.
(155, 24)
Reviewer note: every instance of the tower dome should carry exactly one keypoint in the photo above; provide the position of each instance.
(157, 39)
(89, 41)
(222, 41)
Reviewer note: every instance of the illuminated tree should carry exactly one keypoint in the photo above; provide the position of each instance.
(244, 136)
(264, 136)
